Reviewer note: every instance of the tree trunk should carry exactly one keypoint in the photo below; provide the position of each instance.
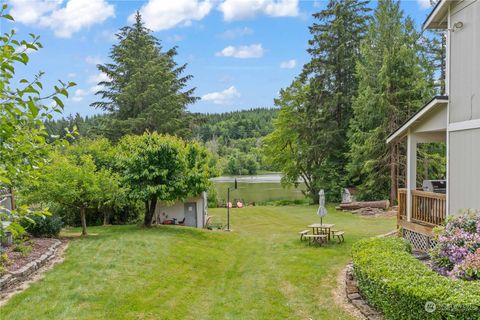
(382, 204)
(149, 211)
(106, 216)
(83, 221)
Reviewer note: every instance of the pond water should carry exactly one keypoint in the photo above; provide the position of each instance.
(257, 188)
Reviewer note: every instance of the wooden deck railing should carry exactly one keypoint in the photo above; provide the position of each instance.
(402, 204)
(428, 208)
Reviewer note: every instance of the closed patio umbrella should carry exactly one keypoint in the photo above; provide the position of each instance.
(322, 211)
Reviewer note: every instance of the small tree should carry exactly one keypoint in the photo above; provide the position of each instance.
(72, 185)
(158, 167)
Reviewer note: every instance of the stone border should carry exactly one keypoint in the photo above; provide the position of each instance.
(354, 297)
(15, 277)
(351, 299)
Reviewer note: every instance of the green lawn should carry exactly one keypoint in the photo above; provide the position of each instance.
(258, 271)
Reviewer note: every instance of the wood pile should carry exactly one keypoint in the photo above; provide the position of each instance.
(365, 208)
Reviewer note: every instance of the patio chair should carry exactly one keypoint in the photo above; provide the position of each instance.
(182, 222)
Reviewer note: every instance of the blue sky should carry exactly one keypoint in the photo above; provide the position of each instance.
(240, 52)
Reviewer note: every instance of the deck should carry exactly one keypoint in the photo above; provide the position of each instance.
(428, 210)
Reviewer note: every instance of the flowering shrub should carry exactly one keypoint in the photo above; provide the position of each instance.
(457, 253)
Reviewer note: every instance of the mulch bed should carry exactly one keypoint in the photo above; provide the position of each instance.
(18, 260)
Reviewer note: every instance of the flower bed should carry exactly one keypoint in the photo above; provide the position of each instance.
(401, 287)
(457, 253)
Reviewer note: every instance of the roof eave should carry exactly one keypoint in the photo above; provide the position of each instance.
(402, 131)
(436, 18)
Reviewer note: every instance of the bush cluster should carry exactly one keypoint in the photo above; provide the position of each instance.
(48, 226)
(457, 253)
(402, 287)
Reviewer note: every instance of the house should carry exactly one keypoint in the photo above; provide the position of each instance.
(453, 119)
(191, 212)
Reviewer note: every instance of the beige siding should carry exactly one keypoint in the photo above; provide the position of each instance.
(436, 120)
(464, 92)
(464, 170)
(176, 210)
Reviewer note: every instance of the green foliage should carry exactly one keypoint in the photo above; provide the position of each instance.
(395, 79)
(75, 183)
(22, 247)
(284, 147)
(235, 139)
(310, 139)
(399, 285)
(23, 111)
(4, 262)
(49, 226)
(145, 89)
(158, 167)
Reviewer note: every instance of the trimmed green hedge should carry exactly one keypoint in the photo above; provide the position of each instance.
(399, 285)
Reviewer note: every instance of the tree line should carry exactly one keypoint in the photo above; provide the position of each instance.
(367, 74)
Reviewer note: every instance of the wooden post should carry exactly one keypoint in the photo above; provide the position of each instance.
(12, 196)
(411, 170)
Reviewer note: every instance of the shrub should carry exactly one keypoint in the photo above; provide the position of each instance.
(457, 253)
(400, 286)
(24, 248)
(4, 262)
(48, 226)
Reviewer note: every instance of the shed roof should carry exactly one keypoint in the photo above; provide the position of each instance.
(418, 116)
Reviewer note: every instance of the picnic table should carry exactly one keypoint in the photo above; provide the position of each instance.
(324, 228)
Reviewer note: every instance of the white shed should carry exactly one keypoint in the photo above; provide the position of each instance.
(190, 212)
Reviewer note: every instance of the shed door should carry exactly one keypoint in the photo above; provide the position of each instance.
(191, 214)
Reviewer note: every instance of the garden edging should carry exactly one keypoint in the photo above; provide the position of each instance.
(12, 278)
(354, 297)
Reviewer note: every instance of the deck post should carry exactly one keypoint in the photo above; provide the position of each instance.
(411, 170)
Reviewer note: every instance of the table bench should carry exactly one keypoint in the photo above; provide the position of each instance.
(318, 238)
(339, 234)
(303, 234)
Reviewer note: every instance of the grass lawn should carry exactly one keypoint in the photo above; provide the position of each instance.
(258, 271)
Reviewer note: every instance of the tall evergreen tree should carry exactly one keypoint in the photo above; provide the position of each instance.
(145, 89)
(394, 81)
(324, 104)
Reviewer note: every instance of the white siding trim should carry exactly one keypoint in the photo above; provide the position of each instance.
(464, 125)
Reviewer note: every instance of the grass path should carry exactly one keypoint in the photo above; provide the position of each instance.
(258, 271)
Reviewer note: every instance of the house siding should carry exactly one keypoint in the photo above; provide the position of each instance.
(464, 86)
(464, 191)
(464, 106)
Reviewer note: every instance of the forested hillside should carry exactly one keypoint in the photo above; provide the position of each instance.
(234, 138)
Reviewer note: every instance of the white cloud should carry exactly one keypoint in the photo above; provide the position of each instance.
(161, 15)
(242, 52)
(175, 38)
(290, 64)
(79, 95)
(63, 20)
(95, 79)
(93, 60)
(98, 77)
(424, 4)
(223, 97)
(235, 33)
(247, 9)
